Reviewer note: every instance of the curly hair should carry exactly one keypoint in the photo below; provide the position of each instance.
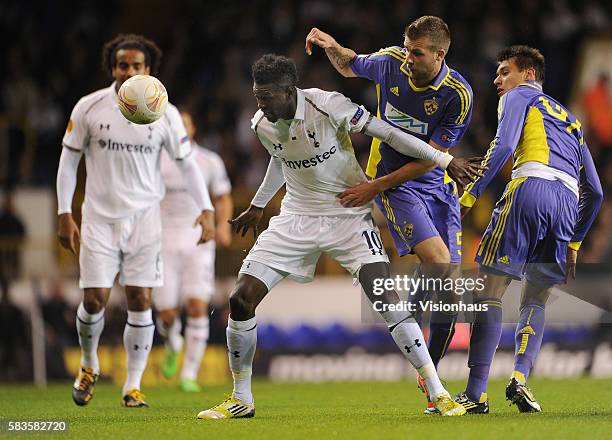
(151, 51)
(525, 57)
(432, 27)
(274, 69)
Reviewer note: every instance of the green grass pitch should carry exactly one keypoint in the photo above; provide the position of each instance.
(573, 409)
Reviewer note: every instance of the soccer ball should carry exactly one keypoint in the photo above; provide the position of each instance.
(142, 99)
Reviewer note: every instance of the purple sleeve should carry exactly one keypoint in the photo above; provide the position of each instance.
(591, 196)
(456, 120)
(366, 66)
(511, 111)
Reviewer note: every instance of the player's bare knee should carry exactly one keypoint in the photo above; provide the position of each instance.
(92, 304)
(436, 261)
(372, 277)
(494, 286)
(246, 296)
(241, 308)
(94, 300)
(433, 251)
(196, 308)
(535, 294)
(138, 299)
(370, 272)
(167, 316)
(243, 300)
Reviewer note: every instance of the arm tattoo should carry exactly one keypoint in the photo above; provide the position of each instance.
(340, 57)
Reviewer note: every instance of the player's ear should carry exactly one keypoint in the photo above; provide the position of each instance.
(530, 74)
(290, 91)
(114, 71)
(440, 54)
(147, 70)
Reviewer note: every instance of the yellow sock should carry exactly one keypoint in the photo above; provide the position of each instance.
(520, 377)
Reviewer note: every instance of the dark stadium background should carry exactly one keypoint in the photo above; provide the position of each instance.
(51, 57)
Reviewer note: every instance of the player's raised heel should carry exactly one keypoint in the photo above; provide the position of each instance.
(230, 408)
(447, 407)
(522, 397)
(471, 406)
(134, 399)
(83, 388)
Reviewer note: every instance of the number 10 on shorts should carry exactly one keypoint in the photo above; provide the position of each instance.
(373, 241)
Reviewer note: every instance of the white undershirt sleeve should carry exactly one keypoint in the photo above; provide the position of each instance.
(195, 182)
(272, 182)
(67, 179)
(405, 143)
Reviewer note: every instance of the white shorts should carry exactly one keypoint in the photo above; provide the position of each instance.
(292, 244)
(189, 270)
(130, 247)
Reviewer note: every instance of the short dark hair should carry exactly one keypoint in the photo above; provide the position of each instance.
(151, 51)
(525, 57)
(274, 69)
(430, 26)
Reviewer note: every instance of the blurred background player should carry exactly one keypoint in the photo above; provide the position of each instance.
(420, 94)
(307, 133)
(536, 227)
(189, 270)
(121, 226)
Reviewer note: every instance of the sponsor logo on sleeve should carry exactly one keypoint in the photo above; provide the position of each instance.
(70, 126)
(184, 139)
(357, 116)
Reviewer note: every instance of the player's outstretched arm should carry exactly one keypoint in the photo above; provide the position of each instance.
(67, 229)
(197, 188)
(340, 57)
(364, 192)
(463, 171)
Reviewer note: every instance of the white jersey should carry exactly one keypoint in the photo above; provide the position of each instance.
(316, 150)
(178, 207)
(122, 159)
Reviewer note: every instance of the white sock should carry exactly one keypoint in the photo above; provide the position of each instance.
(432, 380)
(137, 339)
(241, 344)
(89, 328)
(409, 338)
(171, 335)
(196, 335)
